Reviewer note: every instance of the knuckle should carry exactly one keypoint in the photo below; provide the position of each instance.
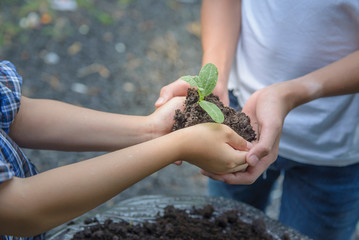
(163, 89)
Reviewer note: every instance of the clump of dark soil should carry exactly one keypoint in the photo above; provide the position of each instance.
(193, 114)
(202, 223)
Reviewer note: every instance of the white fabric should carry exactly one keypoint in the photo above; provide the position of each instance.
(284, 39)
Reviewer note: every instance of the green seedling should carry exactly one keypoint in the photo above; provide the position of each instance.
(205, 83)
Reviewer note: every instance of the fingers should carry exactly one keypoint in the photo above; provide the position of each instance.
(268, 138)
(249, 176)
(177, 88)
(239, 177)
(240, 168)
(238, 142)
(229, 161)
(217, 177)
(235, 160)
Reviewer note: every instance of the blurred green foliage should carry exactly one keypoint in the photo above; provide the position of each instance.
(13, 11)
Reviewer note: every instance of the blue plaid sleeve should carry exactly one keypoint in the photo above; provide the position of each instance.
(13, 161)
(8, 156)
(10, 94)
(6, 170)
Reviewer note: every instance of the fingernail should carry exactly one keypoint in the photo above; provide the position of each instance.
(249, 145)
(253, 160)
(160, 101)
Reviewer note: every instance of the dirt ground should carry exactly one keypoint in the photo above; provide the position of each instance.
(117, 65)
(112, 56)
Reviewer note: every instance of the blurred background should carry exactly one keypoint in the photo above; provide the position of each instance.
(112, 56)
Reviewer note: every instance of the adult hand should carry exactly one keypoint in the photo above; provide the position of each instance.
(267, 109)
(177, 88)
(226, 153)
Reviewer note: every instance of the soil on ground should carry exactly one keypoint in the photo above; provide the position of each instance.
(194, 114)
(199, 223)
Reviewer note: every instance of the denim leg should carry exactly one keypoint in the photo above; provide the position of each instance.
(321, 202)
(256, 194)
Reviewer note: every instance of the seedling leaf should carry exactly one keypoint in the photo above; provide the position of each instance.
(208, 77)
(213, 111)
(205, 84)
(191, 80)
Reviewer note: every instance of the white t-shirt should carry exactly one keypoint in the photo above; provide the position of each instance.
(284, 39)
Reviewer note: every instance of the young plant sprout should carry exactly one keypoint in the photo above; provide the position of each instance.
(205, 83)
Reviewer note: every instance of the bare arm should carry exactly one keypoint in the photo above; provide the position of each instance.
(269, 106)
(49, 124)
(220, 29)
(338, 78)
(32, 205)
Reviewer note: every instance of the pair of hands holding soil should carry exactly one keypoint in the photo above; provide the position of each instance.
(266, 111)
(209, 146)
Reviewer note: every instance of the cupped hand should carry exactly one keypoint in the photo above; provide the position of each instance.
(214, 147)
(162, 119)
(267, 109)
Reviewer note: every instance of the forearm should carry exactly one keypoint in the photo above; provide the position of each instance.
(220, 28)
(33, 205)
(338, 78)
(48, 124)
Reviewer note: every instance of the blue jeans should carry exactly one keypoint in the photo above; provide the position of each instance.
(320, 202)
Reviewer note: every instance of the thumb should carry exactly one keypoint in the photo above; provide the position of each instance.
(254, 155)
(163, 98)
(177, 88)
(267, 140)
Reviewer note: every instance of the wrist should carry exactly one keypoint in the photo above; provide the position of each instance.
(223, 62)
(176, 144)
(127, 131)
(299, 91)
(182, 143)
(151, 129)
(156, 127)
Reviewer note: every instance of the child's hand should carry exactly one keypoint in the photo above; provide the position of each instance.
(162, 119)
(213, 147)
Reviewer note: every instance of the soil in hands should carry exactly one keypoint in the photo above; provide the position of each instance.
(193, 114)
(175, 223)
